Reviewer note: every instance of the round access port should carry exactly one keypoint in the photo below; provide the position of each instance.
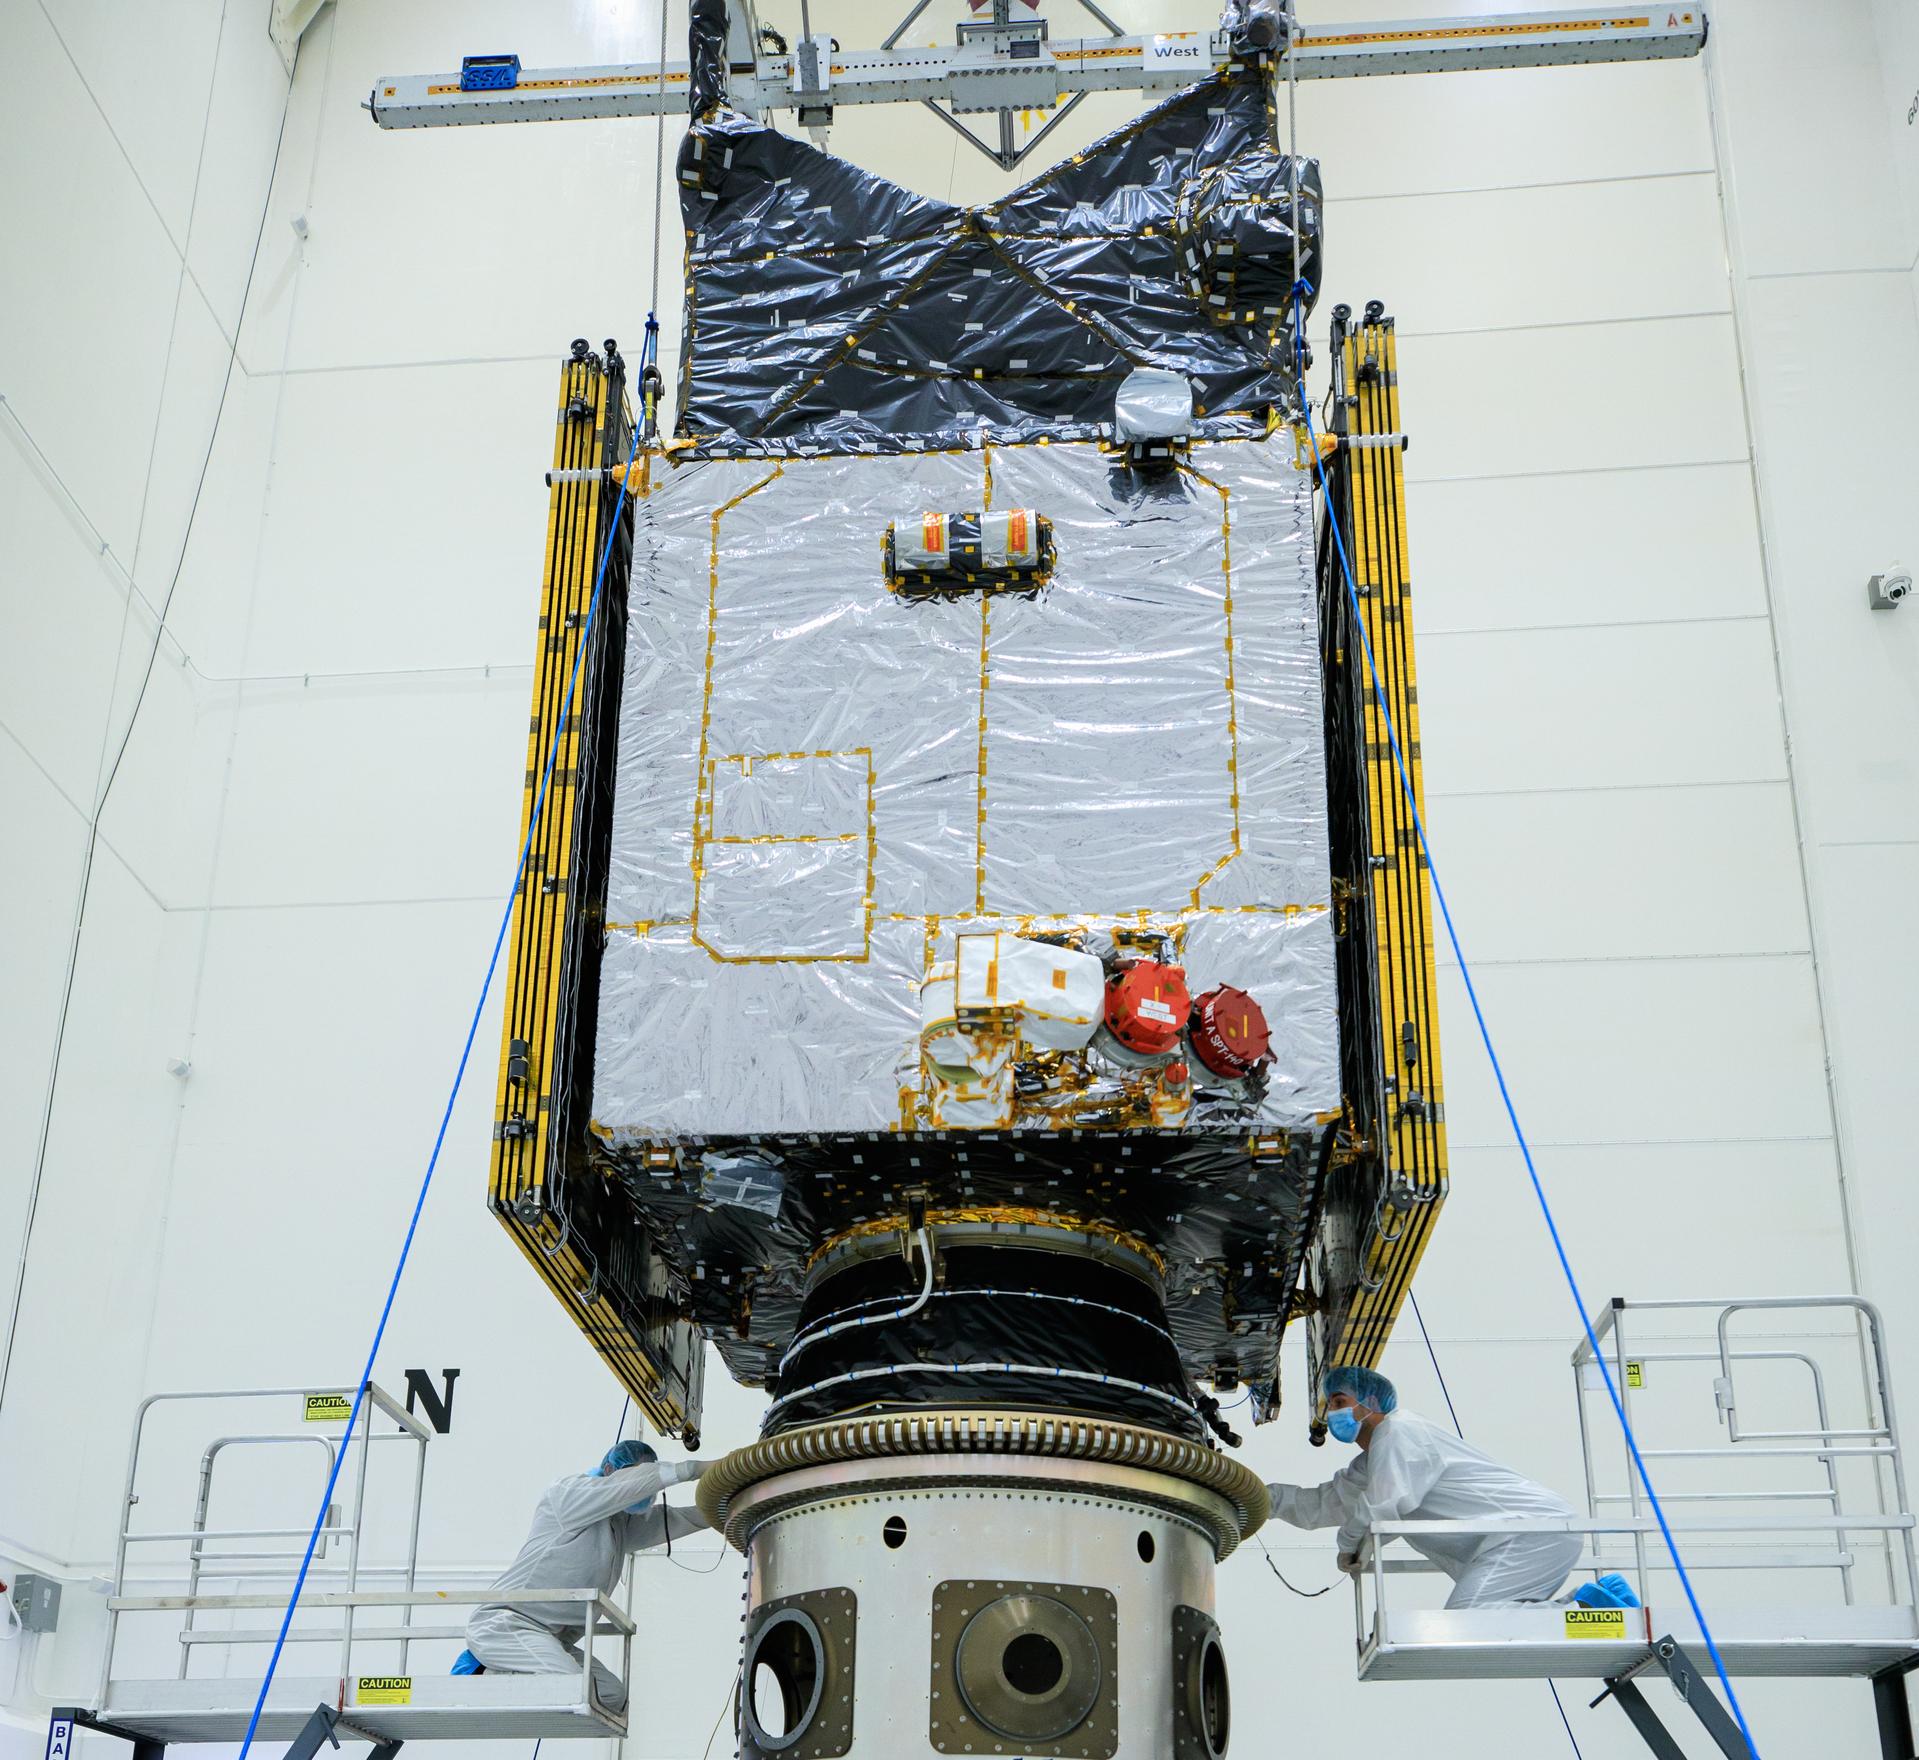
(1209, 1700)
(784, 1676)
(1028, 1668)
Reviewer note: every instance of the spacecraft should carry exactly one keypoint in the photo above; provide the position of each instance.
(974, 967)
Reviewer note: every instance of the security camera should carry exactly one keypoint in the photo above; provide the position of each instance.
(1884, 592)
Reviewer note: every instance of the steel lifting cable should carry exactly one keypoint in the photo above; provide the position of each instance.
(1486, 1037)
(453, 1094)
(659, 160)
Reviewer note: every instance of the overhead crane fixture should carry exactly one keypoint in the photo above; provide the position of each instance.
(1009, 64)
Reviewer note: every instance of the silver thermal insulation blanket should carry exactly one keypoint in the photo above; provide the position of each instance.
(823, 781)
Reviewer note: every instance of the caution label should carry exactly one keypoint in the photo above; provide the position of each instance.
(327, 1408)
(383, 1689)
(1596, 1622)
(1635, 1373)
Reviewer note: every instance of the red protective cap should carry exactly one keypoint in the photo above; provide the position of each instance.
(1230, 1035)
(1146, 1005)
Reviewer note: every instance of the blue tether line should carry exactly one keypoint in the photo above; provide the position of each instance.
(459, 1076)
(1485, 1033)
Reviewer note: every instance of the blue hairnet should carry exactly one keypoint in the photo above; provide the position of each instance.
(1367, 1386)
(630, 1453)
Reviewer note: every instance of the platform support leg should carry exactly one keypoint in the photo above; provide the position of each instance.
(1895, 1714)
(1692, 1687)
(1646, 1720)
(316, 1730)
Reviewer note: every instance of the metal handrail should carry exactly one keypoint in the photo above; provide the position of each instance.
(601, 1616)
(601, 1606)
(1647, 1525)
(1826, 1444)
(376, 1399)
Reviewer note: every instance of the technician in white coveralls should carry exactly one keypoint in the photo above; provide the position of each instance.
(583, 1528)
(1411, 1470)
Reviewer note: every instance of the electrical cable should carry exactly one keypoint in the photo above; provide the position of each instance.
(1486, 1037)
(126, 739)
(459, 1078)
(728, 1700)
(1303, 1594)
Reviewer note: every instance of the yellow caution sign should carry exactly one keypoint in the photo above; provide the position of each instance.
(1596, 1622)
(327, 1408)
(1635, 1373)
(383, 1689)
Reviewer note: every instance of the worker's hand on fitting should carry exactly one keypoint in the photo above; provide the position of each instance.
(1349, 1563)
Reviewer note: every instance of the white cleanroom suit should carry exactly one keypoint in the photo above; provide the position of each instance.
(1416, 1471)
(582, 1532)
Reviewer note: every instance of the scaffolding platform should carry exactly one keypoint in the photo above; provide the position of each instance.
(1819, 1509)
(1529, 1643)
(485, 1707)
(375, 1688)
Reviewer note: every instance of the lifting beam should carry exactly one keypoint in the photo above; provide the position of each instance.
(1022, 68)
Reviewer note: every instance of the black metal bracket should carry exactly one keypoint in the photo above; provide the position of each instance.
(65, 1718)
(1691, 1686)
(319, 1729)
(1895, 1710)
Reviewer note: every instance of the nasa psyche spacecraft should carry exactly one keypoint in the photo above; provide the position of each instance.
(973, 967)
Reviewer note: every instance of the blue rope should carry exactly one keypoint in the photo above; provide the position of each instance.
(459, 1076)
(1485, 1032)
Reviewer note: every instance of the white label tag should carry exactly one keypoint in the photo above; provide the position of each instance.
(1155, 1010)
(1176, 49)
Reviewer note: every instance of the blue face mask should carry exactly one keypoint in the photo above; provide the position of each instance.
(639, 1509)
(1344, 1424)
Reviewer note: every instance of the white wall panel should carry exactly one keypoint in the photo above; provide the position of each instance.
(1614, 396)
(1851, 670)
(249, 98)
(1818, 195)
(1644, 1221)
(402, 536)
(1613, 547)
(36, 888)
(163, 815)
(87, 282)
(62, 605)
(196, 379)
(1867, 937)
(1637, 1051)
(1554, 254)
(1451, 131)
(150, 74)
(92, 1266)
(209, 624)
(1599, 708)
(345, 791)
(1621, 873)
